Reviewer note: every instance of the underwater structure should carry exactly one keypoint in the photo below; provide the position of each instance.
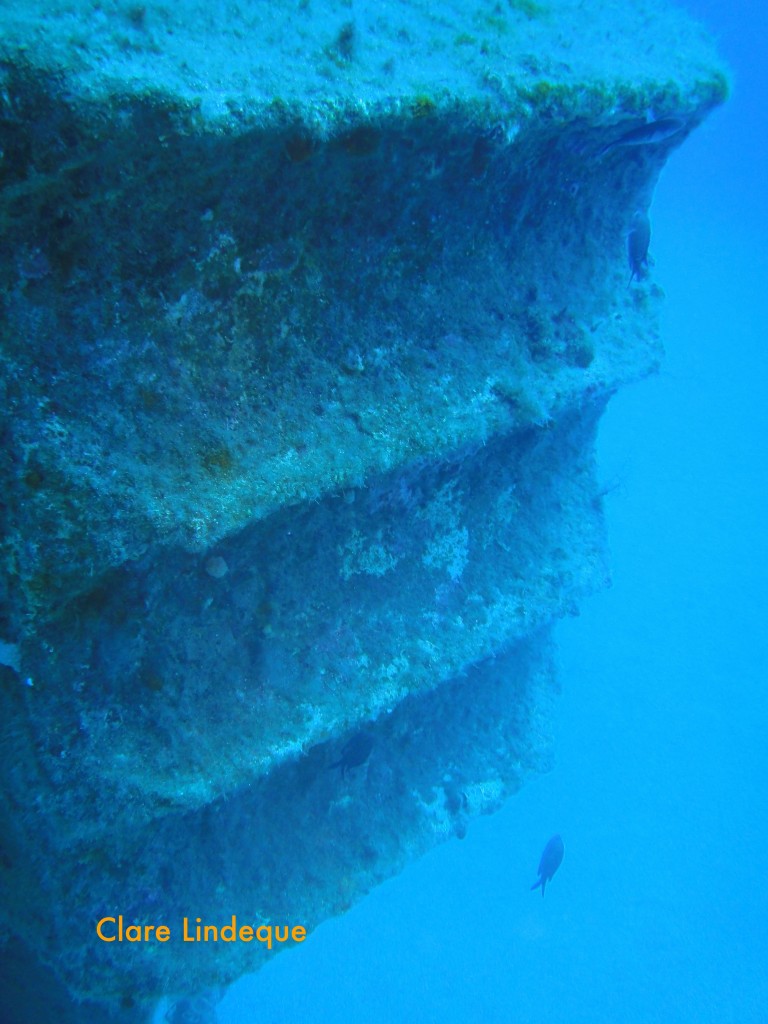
(309, 314)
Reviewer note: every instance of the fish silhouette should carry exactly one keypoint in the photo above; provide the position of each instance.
(550, 861)
(649, 134)
(638, 240)
(354, 752)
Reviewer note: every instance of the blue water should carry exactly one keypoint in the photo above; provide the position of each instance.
(660, 909)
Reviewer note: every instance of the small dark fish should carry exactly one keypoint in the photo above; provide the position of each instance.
(638, 240)
(354, 752)
(550, 861)
(647, 134)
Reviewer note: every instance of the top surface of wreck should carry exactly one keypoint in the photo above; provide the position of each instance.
(365, 54)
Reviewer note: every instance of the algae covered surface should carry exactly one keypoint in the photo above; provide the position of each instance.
(219, 56)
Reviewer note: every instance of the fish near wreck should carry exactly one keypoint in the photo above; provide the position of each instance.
(354, 752)
(551, 859)
(649, 134)
(638, 240)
